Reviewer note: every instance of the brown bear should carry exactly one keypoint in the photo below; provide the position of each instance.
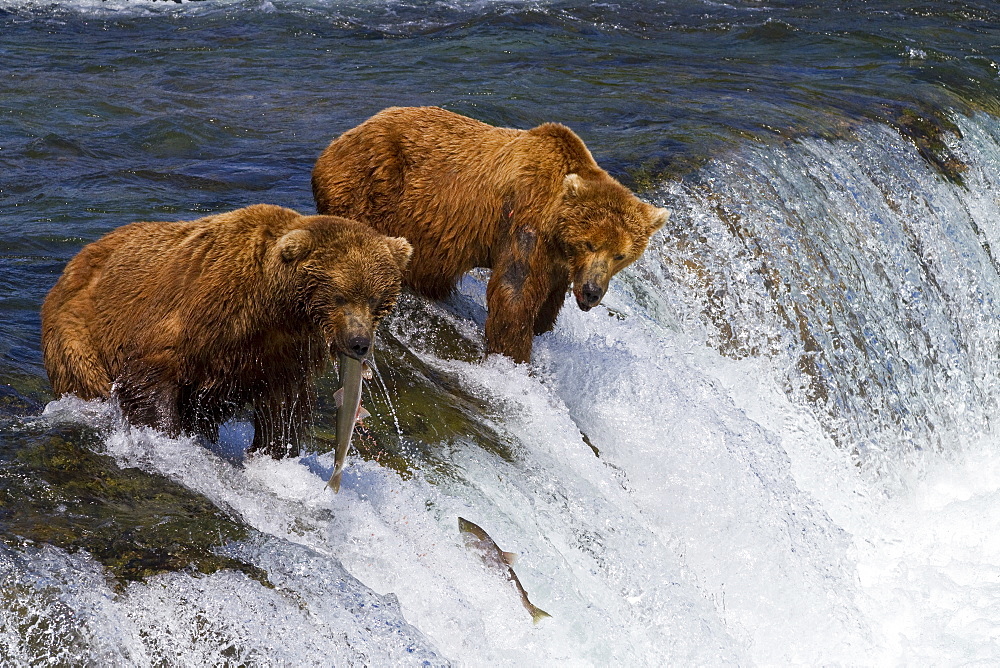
(187, 323)
(532, 205)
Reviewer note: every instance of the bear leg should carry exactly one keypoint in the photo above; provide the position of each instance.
(71, 360)
(520, 284)
(148, 397)
(547, 314)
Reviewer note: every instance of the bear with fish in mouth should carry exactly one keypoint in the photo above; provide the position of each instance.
(187, 323)
(532, 205)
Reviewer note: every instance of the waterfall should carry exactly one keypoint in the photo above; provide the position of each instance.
(860, 269)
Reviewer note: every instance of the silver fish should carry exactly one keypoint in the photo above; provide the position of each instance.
(476, 537)
(349, 410)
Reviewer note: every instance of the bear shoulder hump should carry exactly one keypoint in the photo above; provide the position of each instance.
(567, 143)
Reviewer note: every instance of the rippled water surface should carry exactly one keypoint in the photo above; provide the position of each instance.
(118, 111)
(774, 446)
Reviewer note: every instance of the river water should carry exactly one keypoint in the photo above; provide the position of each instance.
(773, 444)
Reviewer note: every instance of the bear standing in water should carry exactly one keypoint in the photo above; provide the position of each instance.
(186, 323)
(532, 205)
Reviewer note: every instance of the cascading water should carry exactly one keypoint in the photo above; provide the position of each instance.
(815, 485)
(861, 268)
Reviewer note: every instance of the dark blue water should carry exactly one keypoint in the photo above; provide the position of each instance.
(119, 111)
(755, 121)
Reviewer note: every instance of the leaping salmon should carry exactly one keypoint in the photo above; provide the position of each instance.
(477, 538)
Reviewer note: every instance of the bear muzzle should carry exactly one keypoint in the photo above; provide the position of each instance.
(354, 344)
(590, 282)
(358, 346)
(351, 335)
(590, 296)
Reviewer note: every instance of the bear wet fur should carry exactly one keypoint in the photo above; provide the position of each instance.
(187, 323)
(532, 205)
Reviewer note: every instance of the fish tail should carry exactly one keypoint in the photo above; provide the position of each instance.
(334, 482)
(537, 614)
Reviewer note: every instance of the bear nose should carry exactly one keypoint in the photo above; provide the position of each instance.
(592, 294)
(358, 346)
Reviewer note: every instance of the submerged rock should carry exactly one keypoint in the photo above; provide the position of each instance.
(56, 489)
(417, 410)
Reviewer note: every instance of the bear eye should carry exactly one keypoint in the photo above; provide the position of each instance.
(383, 305)
(339, 301)
(590, 247)
(377, 306)
(619, 257)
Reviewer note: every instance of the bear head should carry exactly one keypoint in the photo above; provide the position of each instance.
(345, 278)
(603, 228)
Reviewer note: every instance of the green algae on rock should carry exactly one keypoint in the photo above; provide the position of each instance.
(417, 410)
(55, 489)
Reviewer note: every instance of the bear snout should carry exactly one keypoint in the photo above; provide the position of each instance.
(358, 346)
(349, 330)
(589, 296)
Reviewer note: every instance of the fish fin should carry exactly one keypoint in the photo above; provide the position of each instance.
(537, 614)
(338, 397)
(366, 370)
(509, 557)
(334, 482)
(362, 413)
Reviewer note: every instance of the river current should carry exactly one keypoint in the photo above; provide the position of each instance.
(773, 444)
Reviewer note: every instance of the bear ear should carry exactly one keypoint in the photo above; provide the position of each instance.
(295, 245)
(573, 184)
(401, 251)
(657, 218)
